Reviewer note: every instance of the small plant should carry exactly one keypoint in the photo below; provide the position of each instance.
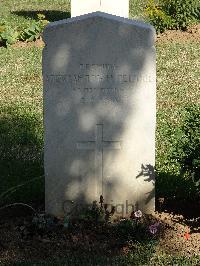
(138, 227)
(8, 36)
(96, 213)
(33, 32)
(41, 224)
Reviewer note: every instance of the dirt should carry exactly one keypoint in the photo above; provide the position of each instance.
(179, 235)
(37, 43)
(191, 35)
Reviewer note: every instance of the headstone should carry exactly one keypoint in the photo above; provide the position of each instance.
(99, 75)
(81, 7)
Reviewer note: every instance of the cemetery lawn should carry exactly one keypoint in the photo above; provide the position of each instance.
(21, 130)
(21, 126)
(20, 14)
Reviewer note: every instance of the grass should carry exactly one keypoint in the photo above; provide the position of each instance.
(140, 259)
(21, 121)
(178, 71)
(20, 13)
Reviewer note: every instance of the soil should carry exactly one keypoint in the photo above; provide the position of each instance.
(179, 235)
(191, 35)
(37, 43)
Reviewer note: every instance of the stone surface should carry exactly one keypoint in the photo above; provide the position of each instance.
(99, 75)
(114, 7)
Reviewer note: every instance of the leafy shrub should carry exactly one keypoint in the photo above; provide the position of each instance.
(171, 14)
(33, 32)
(182, 11)
(157, 17)
(8, 35)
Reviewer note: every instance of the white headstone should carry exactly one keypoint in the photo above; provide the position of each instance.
(99, 76)
(114, 7)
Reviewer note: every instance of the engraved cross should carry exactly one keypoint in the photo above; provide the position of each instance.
(99, 145)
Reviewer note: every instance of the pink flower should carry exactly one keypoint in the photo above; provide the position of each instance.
(138, 214)
(153, 228)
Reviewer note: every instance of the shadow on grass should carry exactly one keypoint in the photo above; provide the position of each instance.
(182, 191)
(179, 195)
(51, 15)
(76, 259)
(21, 159)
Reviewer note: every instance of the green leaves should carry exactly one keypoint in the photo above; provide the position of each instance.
(172, 14)
(31, 33)
(8, 35)
(157, 17)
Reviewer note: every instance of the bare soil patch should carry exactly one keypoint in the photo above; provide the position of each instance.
(37, 43)
(191, 35)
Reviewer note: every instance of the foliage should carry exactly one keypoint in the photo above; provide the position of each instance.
(133, 229)
(182, 11)
(8, 35)
(33, 32)
(187, 145)
(138, 227)
(171, 14)
(157, 17)
(94, 213)
(40, 224)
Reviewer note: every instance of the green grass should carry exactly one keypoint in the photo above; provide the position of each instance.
(21, 122)
(19, 14)
(178, 71)
(136, 9)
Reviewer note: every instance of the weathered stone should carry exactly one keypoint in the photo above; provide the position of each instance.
(99, 76)
(81, 7)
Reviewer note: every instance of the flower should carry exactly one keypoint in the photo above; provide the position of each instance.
(138, 214)
(153, 228)
(186, 236)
